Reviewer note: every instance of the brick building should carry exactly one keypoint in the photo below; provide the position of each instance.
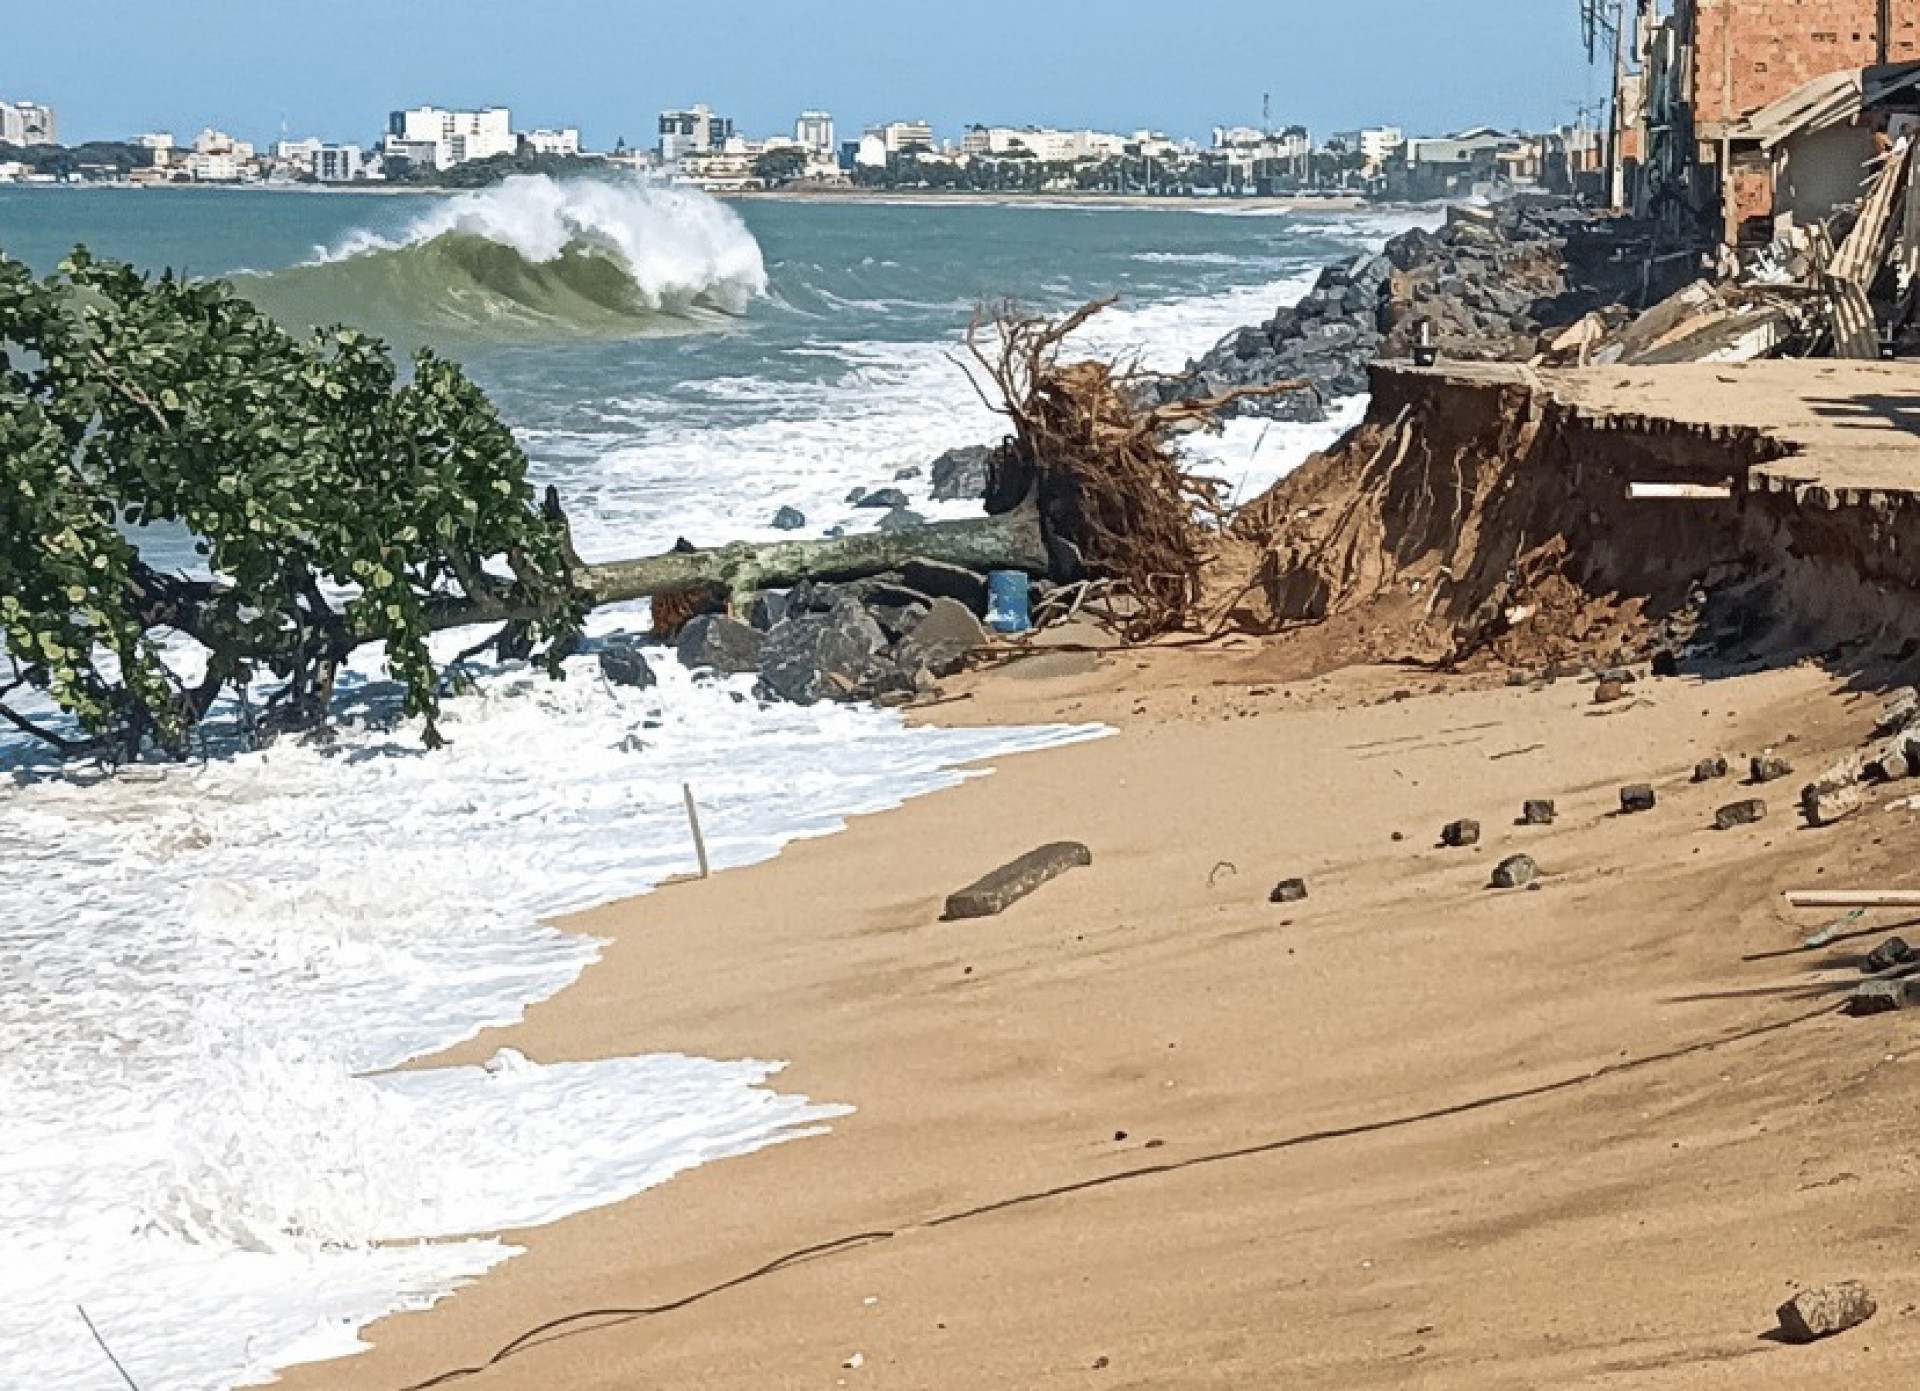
(1748, 53)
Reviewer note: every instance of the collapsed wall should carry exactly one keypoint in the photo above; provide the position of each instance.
(1476, 517)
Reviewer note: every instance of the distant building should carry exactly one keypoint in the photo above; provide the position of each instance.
(26, 123)
(338, 164)
(298, 154)
(1377, 145)
(904, 137)
(1042, 143)
(556, 143)
(814, 130)
(694, 132)
(155, 140)
(448, 138)
(222, 167)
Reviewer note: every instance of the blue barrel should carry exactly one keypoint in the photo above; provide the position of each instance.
(1008, 601)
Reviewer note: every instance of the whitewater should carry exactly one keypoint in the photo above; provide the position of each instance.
(210, 971)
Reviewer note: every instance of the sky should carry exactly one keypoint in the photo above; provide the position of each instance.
(115, 68)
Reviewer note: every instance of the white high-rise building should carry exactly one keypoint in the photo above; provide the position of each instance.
(814, 130)
(338, 164)
(26, 123)
(693, 132)
(451, 137)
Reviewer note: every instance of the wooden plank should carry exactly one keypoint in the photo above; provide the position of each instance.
(1865, 249)
(1856, 336)
(1010, 883)
(1679, 492)
(1854, 898)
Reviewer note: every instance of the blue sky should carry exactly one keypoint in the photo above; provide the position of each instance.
(334, 69)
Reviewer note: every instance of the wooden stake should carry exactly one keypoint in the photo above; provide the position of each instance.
(1854, 898)
(693, 820)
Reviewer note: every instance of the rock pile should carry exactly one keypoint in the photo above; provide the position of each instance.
(1489, 285)
(887, 639)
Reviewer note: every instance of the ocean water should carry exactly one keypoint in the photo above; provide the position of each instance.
(208, 970)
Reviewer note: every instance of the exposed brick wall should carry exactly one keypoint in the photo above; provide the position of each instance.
(1764, 49)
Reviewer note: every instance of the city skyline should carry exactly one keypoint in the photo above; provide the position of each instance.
(254, 74)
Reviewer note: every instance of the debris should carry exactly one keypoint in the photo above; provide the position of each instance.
(1637, 798)
(1460, 834)
(1824, 804)
(1740, 814)
(1537, 813)
(855, 1362)
(1881, 997)
(1010, 883)
(1710, 769)
(1769, 767)
(1861, 899)
(1815, 1314)
(1890, 953)
(1830, 934)
(1289, 891)
(1516, 872)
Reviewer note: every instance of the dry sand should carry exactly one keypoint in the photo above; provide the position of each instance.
(1155, 1022)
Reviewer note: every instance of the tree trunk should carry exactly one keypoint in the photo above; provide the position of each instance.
(1012, 541)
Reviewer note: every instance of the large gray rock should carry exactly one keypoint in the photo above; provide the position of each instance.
(715, 642)
(829, 656)
(624, 664)
(902, 519)
(879, 498)
(789, 519)
(942, 639)
(942, 581)
(960, 475)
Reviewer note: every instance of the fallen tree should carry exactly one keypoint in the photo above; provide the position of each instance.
(337, 504)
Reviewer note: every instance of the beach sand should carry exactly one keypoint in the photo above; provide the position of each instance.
(1088, 1124)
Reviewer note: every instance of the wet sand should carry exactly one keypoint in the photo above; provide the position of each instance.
(1148, 1130)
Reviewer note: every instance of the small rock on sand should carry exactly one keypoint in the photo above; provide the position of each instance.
(1289, 891)
(1740, 814)
(1710, 769)
(1607, 692)
(1460, 834)
(1769, 768)
(1815, 1314)
(1890, 953)
(1637, 798)
(1825, 804)
(1516, 873)
(1539, 812)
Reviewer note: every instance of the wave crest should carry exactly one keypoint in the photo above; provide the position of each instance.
(536, 259)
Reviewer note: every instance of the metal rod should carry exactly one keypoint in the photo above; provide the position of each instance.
(693, 820)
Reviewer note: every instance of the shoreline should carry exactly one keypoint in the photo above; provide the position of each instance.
(1154, 1016)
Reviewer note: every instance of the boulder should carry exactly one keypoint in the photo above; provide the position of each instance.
(942, 581)
(941, 640)
(960, 475)
(715, 642)
(827, 656)
(624, 663)
(880, 498)
(789, 519)
(766, 609)
(1637, 798)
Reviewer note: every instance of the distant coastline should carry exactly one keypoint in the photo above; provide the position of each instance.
(828, 196)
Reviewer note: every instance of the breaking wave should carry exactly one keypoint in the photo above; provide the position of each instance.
(535, 260)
